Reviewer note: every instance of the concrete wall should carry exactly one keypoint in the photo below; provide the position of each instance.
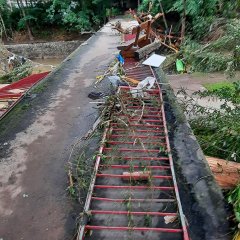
(45, 50)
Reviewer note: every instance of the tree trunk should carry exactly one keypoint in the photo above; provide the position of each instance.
(183, 21)
(144, 51)
(31, 3)
(164, 18)
(10, 5)
(3, 25)
(21, 6)
(26, 3)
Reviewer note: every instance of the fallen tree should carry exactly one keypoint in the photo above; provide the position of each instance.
(226, 173)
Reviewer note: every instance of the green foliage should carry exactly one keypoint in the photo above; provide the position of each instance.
(78, 15)
(22, 21)
(200, 26)
(17, 73)
(77, 21)
(200, 14)
(218, 85)
(220, 55)
(73, 15)
(234, 199)
(144, 7)
(217, 129)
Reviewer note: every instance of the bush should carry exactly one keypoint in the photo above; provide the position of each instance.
(217, 129)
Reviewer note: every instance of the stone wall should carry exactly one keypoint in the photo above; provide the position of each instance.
(45, 50)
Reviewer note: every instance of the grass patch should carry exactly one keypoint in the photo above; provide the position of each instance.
(219, 85)
(40, 88)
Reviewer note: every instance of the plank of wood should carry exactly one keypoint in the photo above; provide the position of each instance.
(142, 52)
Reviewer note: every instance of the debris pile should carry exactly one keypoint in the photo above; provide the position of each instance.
(148, 35)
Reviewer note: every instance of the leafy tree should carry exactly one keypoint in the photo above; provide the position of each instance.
(26, 18)
(3, 11)
(199, 14)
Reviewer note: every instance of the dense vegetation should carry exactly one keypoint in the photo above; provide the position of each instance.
(83, 15)
(35, 15)
(211, 30)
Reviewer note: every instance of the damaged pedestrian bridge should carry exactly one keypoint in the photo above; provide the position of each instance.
(150, 178)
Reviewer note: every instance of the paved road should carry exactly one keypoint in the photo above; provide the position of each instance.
(35, 147)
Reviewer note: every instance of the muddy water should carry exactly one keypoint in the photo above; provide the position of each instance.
(49, 61)
(45, 65)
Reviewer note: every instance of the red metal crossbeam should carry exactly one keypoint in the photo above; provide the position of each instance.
(143, 229)
(145, 120)
(145, 108)
(135, 167)
(133, 150)
(140, 158)
(134, 200)
(137, 130)
(138, 125)
(134, 187)
(134, 136)
(143, 116)
(127, 177)
(134, 143)
(10, 95)
(133, 213)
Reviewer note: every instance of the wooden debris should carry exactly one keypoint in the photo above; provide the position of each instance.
(70, 178)
(131, 80)
(119, 28)
(170, 219)
(226, 173)
(137, 175)
(143, 52)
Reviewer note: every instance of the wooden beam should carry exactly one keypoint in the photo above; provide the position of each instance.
(142, 52)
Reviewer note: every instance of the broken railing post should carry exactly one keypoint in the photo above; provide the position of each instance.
(137, 36)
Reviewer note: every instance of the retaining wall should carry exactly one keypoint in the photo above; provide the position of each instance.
(45, 50)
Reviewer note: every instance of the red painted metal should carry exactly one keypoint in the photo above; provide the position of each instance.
(7, 95)
(148, 131)
(139, 125)
(143, 117)
(135, 136)
(134, 143)
(134, 200)
(114, 158)
(135, 167)
(127, 177)
(133, 213)
(141, 158)
(134, 187)
(143, 229)
(133, 150)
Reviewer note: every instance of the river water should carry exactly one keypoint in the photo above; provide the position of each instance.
(45, 65)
